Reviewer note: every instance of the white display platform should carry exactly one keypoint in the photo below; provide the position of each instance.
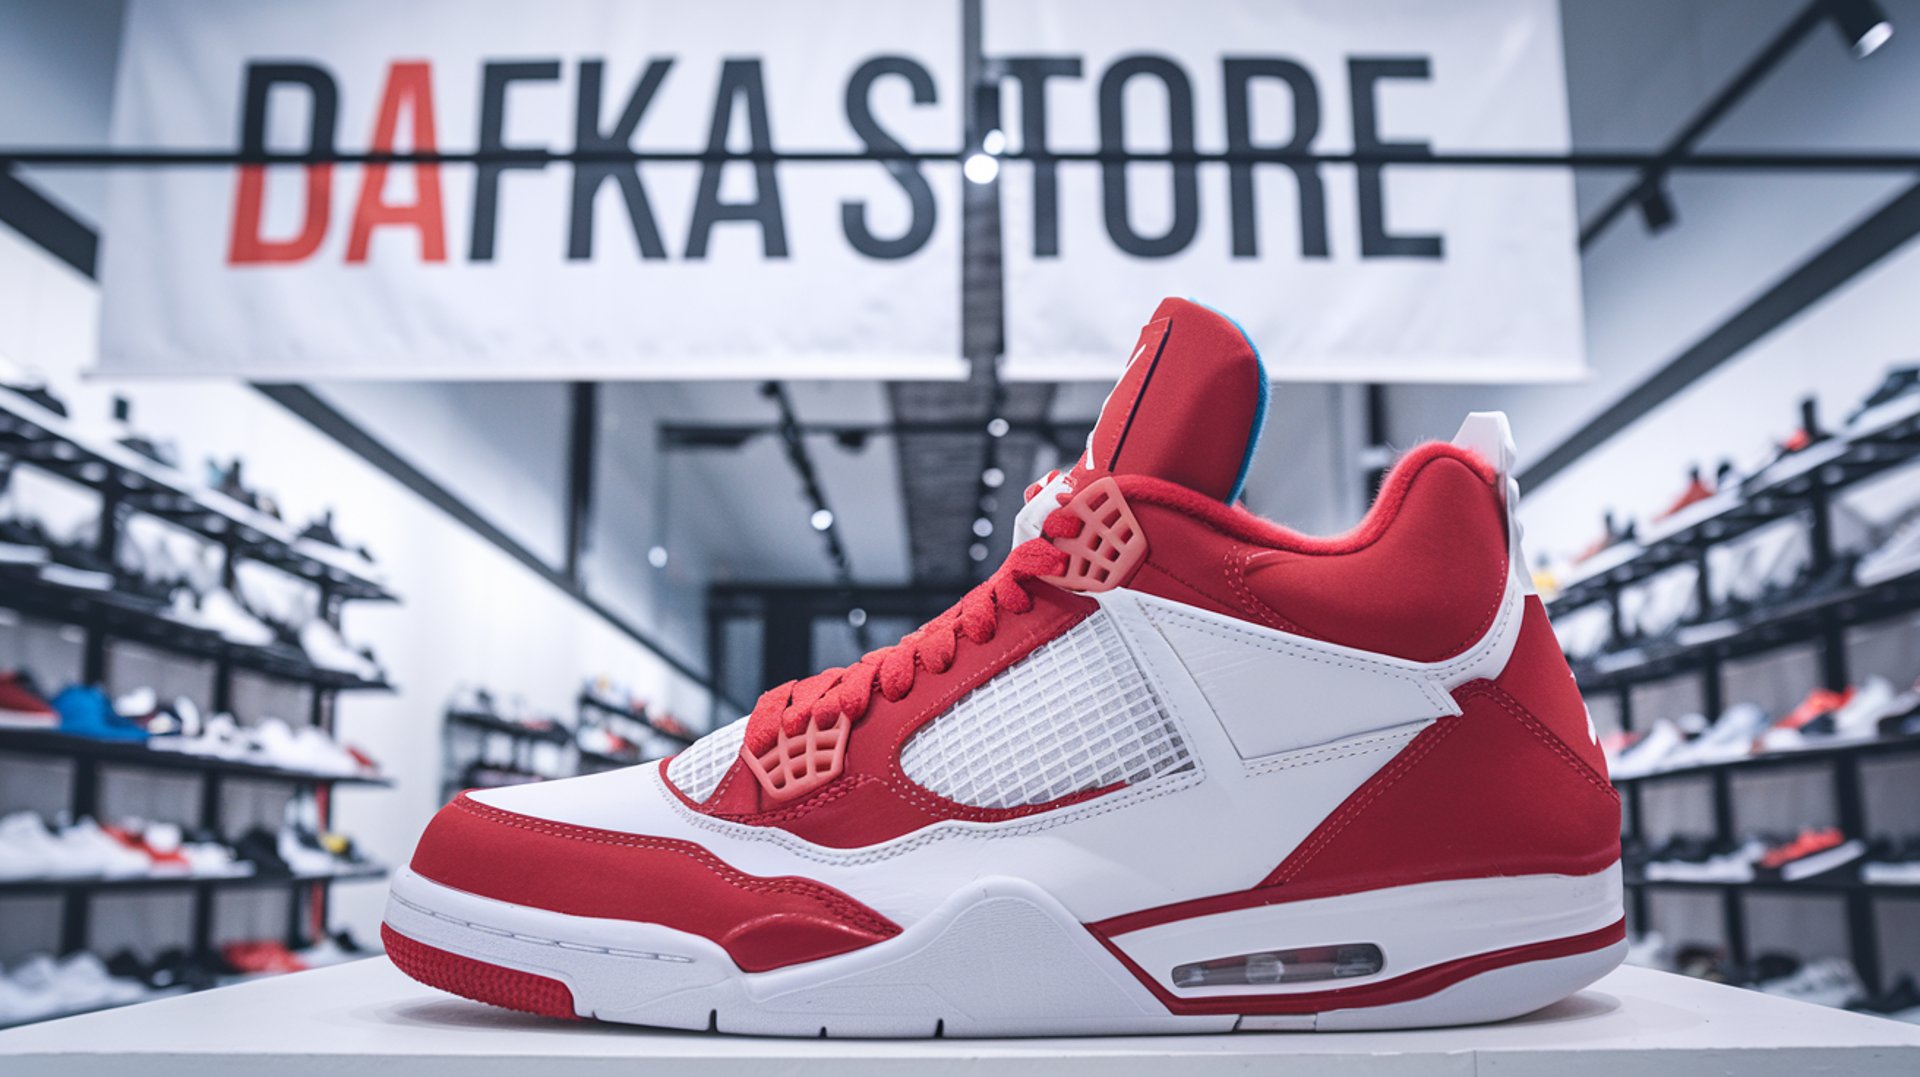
(368, 1018)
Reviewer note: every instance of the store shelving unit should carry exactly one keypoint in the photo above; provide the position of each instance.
(31, 887)
(91, 752)
(1802, 486)
(127, 483)
(657, 742)
(671, 740)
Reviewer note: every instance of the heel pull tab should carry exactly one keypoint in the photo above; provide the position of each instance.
(1488, 434)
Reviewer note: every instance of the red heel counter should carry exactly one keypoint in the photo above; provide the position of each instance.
(1538, 678)
(1512, 786)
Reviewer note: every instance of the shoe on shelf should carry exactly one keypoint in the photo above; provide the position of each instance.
(326, 649)
(21, 704)
(1785, 734)
(1730, 738)
(1721, 861)
(85, 711)
(1814, 851)
(302, 852)
(1896, 397)
(1697, 490)
(218, 737)
(1646, 755)
(209, 857)
(262, 957)
(1829, 981)
(1171, 767)
(104, 855)
(76, 983)
(159, 843)
(28, 850)
(261, 848)
(224, 613)
(30, 383)
(1897, 555)
(1891, 862)
(79, 568)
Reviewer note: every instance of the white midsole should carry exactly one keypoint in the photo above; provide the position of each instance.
(1001, 957)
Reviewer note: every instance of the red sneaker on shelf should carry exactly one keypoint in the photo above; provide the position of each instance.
(22, 706)
(1172, 768)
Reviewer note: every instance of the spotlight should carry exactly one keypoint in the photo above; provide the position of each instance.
(977, 551)
(995, 142)
(983, 527)
(997, 427)
(993, 477)
(1863, 25)
(1656, 208)
(822, 519)
(856, 617)
(981, 168)
(657, 557)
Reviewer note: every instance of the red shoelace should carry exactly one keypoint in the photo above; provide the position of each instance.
(825, 696)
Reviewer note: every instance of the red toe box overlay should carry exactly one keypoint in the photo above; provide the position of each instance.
(763, 923)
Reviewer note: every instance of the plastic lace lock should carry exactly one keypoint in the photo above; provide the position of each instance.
(1110, 544)
(799, 763)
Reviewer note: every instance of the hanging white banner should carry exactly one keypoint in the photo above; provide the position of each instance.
(561, 270)
(598, 267)
(1339, 273)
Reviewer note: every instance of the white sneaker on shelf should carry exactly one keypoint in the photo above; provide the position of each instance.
(322, 754)
(104, 856)
(1644, 756)
(1859, 720)
(328, 650)
(1829, 981)
(29, 851)
(20, 1004)
(223, 613)
(1728, 739)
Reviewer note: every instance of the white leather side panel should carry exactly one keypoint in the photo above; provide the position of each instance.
(1276, 693)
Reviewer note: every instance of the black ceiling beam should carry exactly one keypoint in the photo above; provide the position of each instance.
(1707, 160)
(1679, 148)
(792, 441)
(583, 436)
(43, 222)
(732, 435)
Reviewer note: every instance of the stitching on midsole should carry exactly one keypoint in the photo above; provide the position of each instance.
(555, 943)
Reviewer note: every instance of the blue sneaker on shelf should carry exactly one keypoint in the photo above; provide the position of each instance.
(85, 711)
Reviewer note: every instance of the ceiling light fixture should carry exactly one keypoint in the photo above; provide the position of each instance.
(993, 477)
(657, 557)
(981, 167)
(821, 519)
(997, 427)
(1863, 25)
(1656, 207)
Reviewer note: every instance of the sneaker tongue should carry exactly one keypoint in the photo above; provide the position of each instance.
(1189, 407)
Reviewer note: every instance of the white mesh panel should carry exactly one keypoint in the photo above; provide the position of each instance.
(697, 771)
(1076, 714)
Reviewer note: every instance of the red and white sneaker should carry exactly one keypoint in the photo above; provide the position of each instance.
(1171, 768)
